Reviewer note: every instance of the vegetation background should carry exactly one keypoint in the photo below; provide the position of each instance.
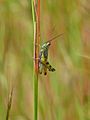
(64, 94)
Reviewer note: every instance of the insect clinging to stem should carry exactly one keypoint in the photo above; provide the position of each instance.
(44, 65)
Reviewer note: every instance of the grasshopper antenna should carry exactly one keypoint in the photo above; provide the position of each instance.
(54, 37)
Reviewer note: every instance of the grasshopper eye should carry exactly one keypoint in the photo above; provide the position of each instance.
(48, 43)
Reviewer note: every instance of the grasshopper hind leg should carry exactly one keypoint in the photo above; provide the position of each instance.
(50, 68)
(53, 69)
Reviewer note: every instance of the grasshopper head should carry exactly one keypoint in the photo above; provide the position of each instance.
(46, 45)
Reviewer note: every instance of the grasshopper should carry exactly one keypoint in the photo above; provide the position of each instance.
(44, 65)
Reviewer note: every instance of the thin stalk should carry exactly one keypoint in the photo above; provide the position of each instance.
(9, 104)
(36, 26)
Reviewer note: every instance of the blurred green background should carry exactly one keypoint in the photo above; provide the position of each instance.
(64, 94)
